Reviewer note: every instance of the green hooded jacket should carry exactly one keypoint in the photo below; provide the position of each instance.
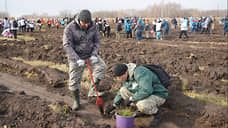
(140, 84)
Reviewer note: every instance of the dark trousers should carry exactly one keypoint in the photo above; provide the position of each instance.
(185, 33)
(31, 29)
(14, 33)
(205, 30)
(49, 26)
(129, 34)
(23, 28)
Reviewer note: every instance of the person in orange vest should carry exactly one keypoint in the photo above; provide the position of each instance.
(57, 24)
(49, 24)
(42, 23)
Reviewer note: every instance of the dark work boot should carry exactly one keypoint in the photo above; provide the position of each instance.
(76, 97)
(156, 120)
(139, 114)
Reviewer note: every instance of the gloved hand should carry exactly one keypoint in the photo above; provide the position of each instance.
(94, 59)
(109, 109)
(80, 62)
(128, 101)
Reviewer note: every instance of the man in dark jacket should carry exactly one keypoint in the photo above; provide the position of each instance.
(174, 22)
(81, 41)
(107, 29)
(118, 30)
(137, 88)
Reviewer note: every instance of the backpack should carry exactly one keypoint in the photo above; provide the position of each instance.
(15, 24)
(161, 73)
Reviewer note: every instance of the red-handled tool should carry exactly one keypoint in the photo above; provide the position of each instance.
(99, 100)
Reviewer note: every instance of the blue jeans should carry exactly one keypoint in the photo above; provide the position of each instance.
(166, 32)
(224, 31)
(139, 35)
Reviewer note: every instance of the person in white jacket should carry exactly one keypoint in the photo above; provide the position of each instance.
(6, 23)
(184, 28)
(159, 29)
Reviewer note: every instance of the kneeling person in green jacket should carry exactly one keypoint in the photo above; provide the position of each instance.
(137, 88)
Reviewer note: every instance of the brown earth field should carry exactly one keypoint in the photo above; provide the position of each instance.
(34, 91)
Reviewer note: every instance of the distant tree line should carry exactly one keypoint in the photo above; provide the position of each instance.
(3, 14)
(160, 10)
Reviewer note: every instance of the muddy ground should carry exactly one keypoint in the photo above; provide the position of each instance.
(38, 97)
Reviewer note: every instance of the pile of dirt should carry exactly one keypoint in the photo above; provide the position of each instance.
(19, 110)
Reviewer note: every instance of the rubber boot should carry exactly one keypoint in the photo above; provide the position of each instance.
(92, 92)
(157, 117)
(76, 97)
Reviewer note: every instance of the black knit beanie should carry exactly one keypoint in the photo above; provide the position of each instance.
(119, 69)
(85, 16)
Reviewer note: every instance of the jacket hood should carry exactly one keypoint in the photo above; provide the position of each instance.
(131, 69)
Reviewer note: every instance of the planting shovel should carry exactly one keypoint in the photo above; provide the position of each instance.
(99, 100)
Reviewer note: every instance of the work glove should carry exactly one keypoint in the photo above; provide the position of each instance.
(109, 109)
(80, 62)
(128, 101)
(94, 59)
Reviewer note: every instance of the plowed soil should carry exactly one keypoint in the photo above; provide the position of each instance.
(42, 100)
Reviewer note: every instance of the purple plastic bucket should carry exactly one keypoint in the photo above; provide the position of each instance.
(124, 121)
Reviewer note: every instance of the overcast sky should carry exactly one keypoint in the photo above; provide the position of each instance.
(53, 7)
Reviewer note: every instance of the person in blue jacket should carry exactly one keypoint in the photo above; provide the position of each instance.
(225, 27)
(193, 26)
(139, 28)
(199, 25)
(127, 28)
(140, 87)
(166, 27)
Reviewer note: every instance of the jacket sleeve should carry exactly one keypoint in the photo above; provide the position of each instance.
(97, 41)
(118, 99)
(68, 43)
(144, 79)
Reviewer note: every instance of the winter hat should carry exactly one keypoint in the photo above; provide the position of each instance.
(119, 69)
(85, 16)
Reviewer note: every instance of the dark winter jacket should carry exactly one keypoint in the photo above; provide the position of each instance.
(140, 26)
(107, 27)
(119, 27)
(174, 21)
(165, 25)
(147, 27)
(79, 43)
(225, 27)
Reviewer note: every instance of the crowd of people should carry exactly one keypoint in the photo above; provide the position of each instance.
(132, 27)
(157, 28)
(135, 27)
(10, 26)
